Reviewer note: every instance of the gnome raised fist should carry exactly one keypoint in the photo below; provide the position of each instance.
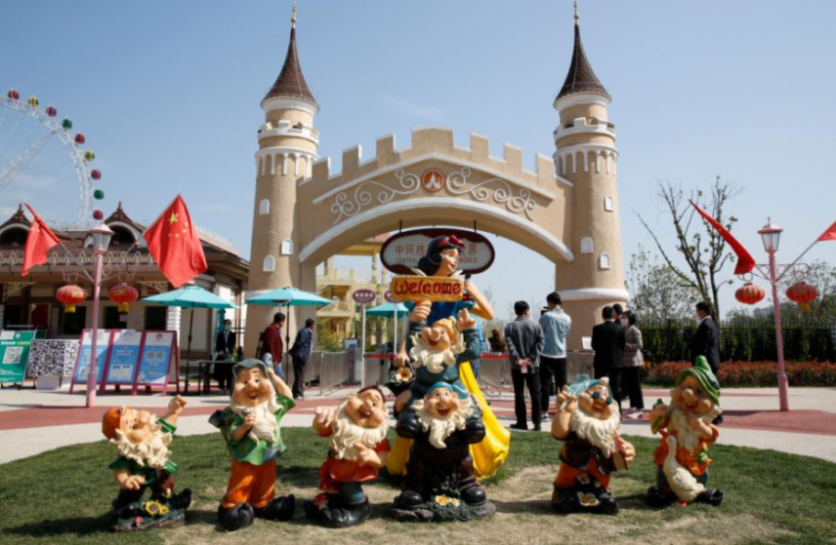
(142, 441)
(588, 424)
(357, 428)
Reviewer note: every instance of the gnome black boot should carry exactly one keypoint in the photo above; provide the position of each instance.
(348, 515)
(236, 518)
(474, 495)
(565, 501)
(711, 496)
(182, 500)
(607, 505)
(280, 509)
(658, 497)
(408, 499)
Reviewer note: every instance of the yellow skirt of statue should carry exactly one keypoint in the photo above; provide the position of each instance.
(488, 455)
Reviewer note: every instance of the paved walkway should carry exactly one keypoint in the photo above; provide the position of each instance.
(34, 421)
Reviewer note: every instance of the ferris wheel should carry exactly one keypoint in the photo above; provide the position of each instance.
(26, 129)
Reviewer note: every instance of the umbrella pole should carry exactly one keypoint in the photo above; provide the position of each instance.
(287, 346)
(189, 349)
(395, 336)
(363, 351)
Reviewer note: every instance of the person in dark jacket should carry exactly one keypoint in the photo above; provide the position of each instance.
(608, 342)
(300, 354)
(525, 341)
(224, 347)
(706, 341)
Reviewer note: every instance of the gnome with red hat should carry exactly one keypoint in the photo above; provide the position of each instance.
(142, 441)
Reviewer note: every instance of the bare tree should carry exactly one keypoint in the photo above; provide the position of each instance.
(657, 294)
(701, 246)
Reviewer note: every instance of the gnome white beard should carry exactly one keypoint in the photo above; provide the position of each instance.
(686, 437)
(434, 360)
(601, 433)
(347, 434)
(441, 429)
(153, 452)
(265, 419)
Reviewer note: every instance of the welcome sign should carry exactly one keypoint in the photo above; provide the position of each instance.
(427, 288)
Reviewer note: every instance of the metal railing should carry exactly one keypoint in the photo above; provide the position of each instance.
(333, 371)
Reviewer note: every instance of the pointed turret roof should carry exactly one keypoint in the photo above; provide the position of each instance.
(581, 78)
(291, 82)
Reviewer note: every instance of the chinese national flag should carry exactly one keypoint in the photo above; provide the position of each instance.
(174, 243)
(745, 261)
(38, 242)
(830, 234)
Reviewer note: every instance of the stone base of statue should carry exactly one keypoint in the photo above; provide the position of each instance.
(440, 508)
(144, 514)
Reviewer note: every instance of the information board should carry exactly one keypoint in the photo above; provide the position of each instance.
(82, 367)
(155, 358)
(14, 354)
(124, 356)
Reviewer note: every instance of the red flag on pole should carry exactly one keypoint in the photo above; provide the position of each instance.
(174, 243)
(745, 262)
(830, 234)
(38, 242)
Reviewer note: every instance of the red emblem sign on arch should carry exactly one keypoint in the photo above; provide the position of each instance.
(433, 180)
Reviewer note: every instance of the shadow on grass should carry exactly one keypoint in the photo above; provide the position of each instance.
(634, 502)
(77, 526)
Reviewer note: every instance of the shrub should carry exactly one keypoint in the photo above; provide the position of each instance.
(744, 373)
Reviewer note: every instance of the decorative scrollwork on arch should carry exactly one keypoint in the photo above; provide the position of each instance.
(494, 188)
(346, 206)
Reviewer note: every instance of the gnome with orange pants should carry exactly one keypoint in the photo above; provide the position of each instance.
(142, 440)
(250, 426)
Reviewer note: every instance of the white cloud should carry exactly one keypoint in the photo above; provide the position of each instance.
(412, 109)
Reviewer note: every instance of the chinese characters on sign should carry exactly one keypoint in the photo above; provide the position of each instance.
(401, 252)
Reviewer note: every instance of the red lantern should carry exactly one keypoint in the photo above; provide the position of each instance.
(96, 174)
(98, 215)
(71, 295)
(51, 111)
(802, 294)
(124, 295)
(13, 94)
(749, 294)
(79, 139)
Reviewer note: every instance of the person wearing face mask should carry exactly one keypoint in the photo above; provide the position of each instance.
(224, 347)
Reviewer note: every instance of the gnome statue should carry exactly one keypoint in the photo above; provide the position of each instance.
(687, 430)
(357, 428)
(143, 463)
(588, 424)
(250, 427)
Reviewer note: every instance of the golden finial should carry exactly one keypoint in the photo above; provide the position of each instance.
(577, 17)
(293, 19)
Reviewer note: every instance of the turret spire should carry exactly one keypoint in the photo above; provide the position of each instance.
(291, 82)
(581, 78)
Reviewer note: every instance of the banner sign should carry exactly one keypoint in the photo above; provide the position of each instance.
(427, 288)
(401, 251)
(14, 354)
(82, 367)
(364, 297)
(124, 355)
(156, 356)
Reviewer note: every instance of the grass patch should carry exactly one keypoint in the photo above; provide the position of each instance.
(63, 496)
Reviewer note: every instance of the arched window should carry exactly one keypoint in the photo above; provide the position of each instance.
(121, 236)
(287, 247)
(608, 206)
(264, 207)
(15, 236)
(604, 261)
(586, 245)
(269, 264)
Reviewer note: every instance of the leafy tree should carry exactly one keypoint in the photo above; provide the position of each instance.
(701, 247)
(657, 293)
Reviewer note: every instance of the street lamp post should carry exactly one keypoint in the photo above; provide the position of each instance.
(771, 236)
(101, 240)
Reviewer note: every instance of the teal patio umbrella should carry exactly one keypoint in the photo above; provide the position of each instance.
(191, 297)
(389, 310)
(288, 297)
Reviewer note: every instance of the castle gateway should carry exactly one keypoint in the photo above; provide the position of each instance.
(566, 210)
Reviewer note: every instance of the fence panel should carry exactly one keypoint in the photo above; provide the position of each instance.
(333, 371)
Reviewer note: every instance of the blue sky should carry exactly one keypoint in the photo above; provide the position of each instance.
(168, 95)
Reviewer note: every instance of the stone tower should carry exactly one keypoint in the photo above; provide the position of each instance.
(287, 148)
(587, 157)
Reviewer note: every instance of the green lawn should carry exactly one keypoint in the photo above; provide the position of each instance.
(63, 496)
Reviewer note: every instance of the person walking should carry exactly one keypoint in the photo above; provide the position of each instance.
(524, 338)
(608, 343)
(497, 344)
(556, 325)
(706, 341)
(633, 363)
(300, 354)
(271, 340)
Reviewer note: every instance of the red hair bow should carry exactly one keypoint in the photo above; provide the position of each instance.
(452, 240)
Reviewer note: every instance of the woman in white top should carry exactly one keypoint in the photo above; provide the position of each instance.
(633, 361)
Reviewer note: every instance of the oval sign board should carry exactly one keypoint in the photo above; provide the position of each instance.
(388, 296)
(401, 251)
(364, 297)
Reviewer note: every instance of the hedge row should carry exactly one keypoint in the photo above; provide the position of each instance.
(744, 373)
(742, 342)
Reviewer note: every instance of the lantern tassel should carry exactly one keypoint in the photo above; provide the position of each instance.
(69, 309)
(123, 307)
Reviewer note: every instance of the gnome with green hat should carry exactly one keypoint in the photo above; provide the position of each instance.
(687, 431)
